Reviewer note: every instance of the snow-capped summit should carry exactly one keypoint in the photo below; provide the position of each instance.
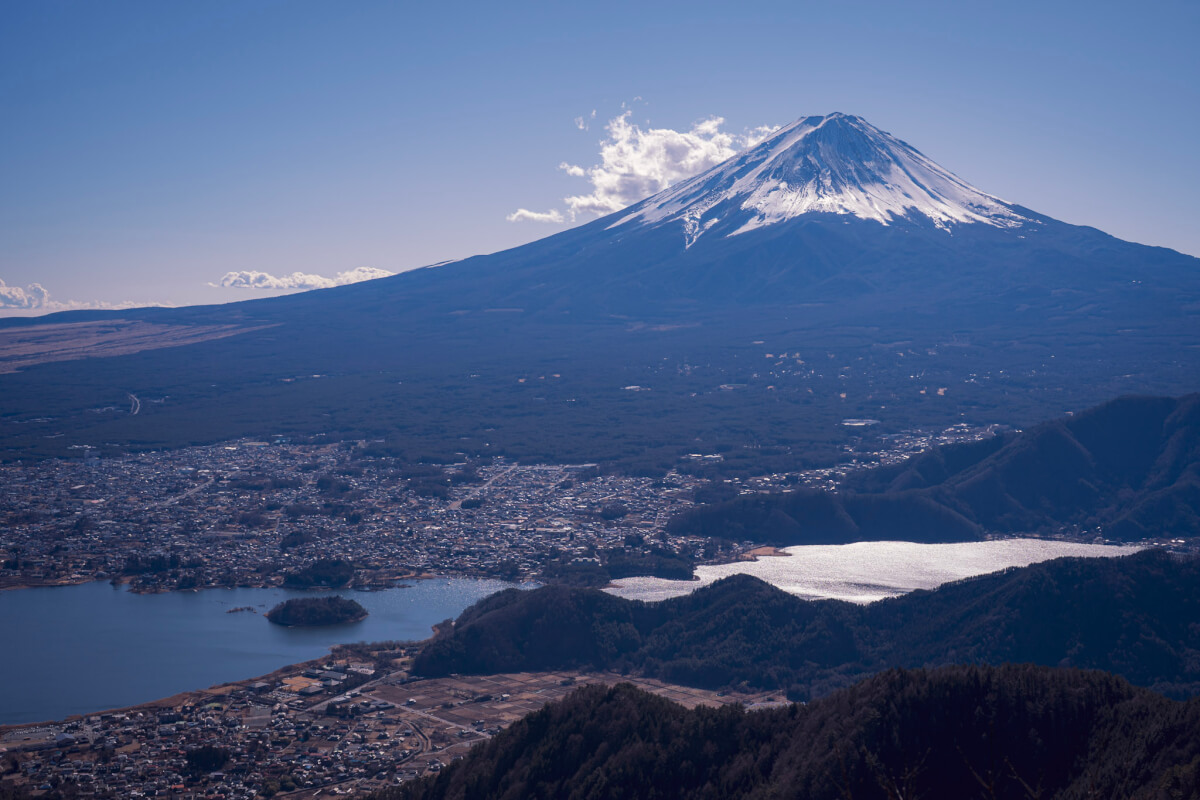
(835, 164)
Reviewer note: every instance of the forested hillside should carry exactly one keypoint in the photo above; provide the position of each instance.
(1128, 469)
(957, 732)
(1137, 616)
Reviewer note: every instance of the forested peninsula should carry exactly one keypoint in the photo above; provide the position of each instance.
(1137, 616)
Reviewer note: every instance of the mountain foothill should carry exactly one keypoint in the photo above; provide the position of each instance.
(1013, 732)
(1127, 470)
(1137, 616)
(1013, 685)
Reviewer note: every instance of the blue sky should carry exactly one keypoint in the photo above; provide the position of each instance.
(150, 148)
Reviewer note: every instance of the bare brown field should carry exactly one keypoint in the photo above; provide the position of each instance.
(70, 341)
(765, 552)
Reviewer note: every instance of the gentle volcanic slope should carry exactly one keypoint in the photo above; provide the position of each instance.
(900, 293)
(835, 164)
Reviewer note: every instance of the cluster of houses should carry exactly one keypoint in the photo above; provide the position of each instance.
(301, 731)
(249, 513)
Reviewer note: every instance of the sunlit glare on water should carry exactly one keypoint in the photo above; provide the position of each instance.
(868, 571)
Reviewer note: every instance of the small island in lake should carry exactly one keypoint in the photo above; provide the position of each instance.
(307, 611)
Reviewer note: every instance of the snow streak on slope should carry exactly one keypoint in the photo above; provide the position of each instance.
(837, 164)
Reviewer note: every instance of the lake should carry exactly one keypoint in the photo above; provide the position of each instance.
(78, 649)
(868, 571)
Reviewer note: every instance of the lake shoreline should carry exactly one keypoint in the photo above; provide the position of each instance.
(94, 646)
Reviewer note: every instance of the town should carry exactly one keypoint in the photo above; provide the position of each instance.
(253, 513)
(349, 723)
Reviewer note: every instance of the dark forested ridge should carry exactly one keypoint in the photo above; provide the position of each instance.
(956, 732)
(1137, 616)
(1129, 469)
(809, 516)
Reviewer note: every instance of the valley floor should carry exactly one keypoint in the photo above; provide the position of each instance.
(245, 513)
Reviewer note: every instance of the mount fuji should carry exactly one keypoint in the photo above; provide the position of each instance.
(837, 164)
(831, 271)
(829, 209)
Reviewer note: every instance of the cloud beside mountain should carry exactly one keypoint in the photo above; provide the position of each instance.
(297, 281)
(525, 215)
(636, 163)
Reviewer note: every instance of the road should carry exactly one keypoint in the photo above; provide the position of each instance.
(481, 488)
(170, 501)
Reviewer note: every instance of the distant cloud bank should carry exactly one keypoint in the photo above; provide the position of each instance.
(34, 299)
(30, 297)
(253, 279)
(636, 163)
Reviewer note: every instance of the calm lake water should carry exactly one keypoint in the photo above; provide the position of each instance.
(868, 571)
(77, 649)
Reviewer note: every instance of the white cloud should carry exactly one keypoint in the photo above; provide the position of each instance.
(253, 279)
(758, 135)
(32, 296)
(583, 123)
(34, 299)
(525, 215)
(636, 163)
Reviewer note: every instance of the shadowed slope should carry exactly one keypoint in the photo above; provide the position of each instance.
(1129, 469)
(1138, 616)
(963, 732)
